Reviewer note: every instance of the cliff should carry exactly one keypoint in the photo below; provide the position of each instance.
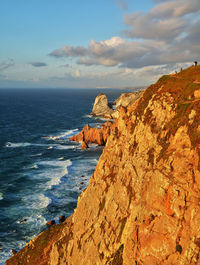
(142, 204)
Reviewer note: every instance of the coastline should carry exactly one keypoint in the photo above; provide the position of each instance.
(32, 159)
(141, 202)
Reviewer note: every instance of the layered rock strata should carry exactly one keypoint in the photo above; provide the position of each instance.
(142, 205)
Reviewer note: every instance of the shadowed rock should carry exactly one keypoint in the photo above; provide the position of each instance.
(61, 219)
(50, 223)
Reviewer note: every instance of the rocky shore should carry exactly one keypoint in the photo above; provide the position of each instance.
(93, 135)
(142, 203)
(100, 108)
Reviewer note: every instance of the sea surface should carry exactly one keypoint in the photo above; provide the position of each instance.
(42, 173)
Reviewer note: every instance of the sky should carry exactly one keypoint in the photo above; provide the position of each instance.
(95, 43)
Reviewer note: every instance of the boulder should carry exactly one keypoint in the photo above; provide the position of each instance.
(100, 107)
(61, 219)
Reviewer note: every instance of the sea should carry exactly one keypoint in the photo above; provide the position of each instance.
(42, 172)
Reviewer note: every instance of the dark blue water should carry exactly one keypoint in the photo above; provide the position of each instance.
(40, 169)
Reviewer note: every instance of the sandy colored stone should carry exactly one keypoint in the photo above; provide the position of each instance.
(142, 203)
(100, 107)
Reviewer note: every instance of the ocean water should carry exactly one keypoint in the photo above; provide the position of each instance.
(42, 173)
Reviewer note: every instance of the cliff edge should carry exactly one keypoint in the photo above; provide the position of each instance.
(142, 205)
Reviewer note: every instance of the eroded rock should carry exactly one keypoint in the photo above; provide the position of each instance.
(93, 135)
(127, 99)
(100, 107)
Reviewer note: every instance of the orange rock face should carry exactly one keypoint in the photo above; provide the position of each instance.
(142, 204)
(93, 135)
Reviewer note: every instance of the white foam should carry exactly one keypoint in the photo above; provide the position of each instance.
(37, 201)
(1, 196)
(62, 135)
(33, 166)
(16, 145)
(39, 154)
(93, 145)
(39, 219)
(85, 167)
(88, 116)
(65, 147)
(57, 171)
(103, 119)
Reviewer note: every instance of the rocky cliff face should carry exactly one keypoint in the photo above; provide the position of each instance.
(142, 205)
(127, 98)
(93, 135)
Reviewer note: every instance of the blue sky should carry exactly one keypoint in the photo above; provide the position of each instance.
(95, 43)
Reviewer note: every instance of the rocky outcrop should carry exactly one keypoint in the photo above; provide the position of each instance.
(142, 203)
(100, 107)
(124, 101)
(127, 99)
(93, 135)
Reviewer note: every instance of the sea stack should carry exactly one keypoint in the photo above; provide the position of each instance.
(100, 107)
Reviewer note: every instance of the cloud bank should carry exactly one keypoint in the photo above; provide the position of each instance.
(168, 34)
(4, 65)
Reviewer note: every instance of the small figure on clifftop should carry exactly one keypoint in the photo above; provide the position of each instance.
(195, 63)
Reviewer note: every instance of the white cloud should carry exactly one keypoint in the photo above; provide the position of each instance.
(69, 51)
(165, 21)
(167, 34)
(6, 64)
